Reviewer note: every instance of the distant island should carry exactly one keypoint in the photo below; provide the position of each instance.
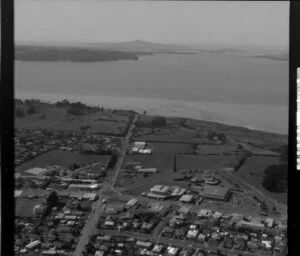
(72, 54)
(98, 52)
(282, 56)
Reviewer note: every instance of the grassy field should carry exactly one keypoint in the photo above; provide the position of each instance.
(189, 130)
(53, 118)
(150, 161)
(171, 148)
(61, 158)
(253, 171)
(24, 207)
(215, 149)
(205, 162)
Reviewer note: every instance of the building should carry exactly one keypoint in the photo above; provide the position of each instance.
(33, 245)
(84, 186)
(184, 209)
(186, 198)
(132, 202)
(204, 213)
(216, 193)
(39, 209)
(147, 170)
(18, 193)
(251, 225)
(139, 144)
(37, 171)
(178, 192)
(160, 190)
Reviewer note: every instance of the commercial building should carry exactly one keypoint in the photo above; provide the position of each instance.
(84, 186)
(178, 192)
(251, 225)
(139, 144)
(216, 193)
(160, 190)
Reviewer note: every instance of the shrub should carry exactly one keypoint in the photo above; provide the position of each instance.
(275, 179)
(20, 113)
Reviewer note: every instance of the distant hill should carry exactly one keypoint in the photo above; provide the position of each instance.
(146, 47)
(72, 54)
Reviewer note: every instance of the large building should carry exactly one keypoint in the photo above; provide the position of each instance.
(216, 193)
(160, 190)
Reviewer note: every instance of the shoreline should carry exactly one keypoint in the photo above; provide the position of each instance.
(230, 114)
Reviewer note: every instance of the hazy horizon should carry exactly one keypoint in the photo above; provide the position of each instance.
(259, 24)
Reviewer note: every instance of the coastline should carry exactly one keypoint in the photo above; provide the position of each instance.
(254, 117)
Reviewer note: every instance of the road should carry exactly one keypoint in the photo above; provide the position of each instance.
(90, 227)
(124, 150)
(177, 242)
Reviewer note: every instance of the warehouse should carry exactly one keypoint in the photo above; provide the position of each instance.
(216, 193)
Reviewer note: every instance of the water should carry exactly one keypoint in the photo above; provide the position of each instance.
(236, 90)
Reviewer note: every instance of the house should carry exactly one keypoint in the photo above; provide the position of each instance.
(216, 193)
(186, 198)
(192, 233)
(157, 249)
(33, 245)
(147, 170)
(39, 209)
(168, 231)
(132, 202)
(99, 253)
(177, 192)
(172, 251)
(184, 209)
(204, 213)
(201, 238)
(143, 244)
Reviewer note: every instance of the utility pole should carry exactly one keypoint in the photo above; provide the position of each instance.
(174, 164)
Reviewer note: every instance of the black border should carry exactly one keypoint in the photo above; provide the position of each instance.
(293, 174)
(7, 127)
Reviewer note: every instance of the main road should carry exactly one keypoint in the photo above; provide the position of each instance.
(90, 226)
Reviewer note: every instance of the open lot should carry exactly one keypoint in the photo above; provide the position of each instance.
(150, 161)
(24, 207)
(205, 161)
(171, 148)
(61, 158)
(54, 118)
(253, 172)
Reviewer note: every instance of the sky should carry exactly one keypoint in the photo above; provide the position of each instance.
(206, 22)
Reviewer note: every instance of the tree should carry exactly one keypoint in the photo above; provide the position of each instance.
(52, 199)
(31, 110)
(74, 111)
(20, 113)
(222, 138)
(275, 179)
(174, 163)
(284, 156)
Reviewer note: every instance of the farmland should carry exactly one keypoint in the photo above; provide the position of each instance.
(197, 131)
(54, 118)
(253, 172)
(171, 148)
(205, 162)
(61, 158)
